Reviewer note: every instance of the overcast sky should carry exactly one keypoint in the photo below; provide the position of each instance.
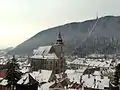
(21, 19)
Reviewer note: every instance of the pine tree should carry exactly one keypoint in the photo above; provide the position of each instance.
(13, 74)
(116, 75)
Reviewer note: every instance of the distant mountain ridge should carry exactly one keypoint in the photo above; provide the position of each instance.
(73, 34)
(5, 50)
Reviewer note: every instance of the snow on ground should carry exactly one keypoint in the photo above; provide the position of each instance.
(81, 70)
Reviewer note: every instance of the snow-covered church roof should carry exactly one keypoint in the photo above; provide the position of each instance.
(42, 50)
(48, 56)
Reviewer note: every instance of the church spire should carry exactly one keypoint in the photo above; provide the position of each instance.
(59, 39)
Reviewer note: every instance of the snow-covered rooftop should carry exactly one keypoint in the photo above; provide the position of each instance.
(73, 75)
(92, 63)
(45, 86)
(101, 83)
(42, 76)
(48, 56)
(25, 69)
(96, 73)
(24, 79)
(39, 76)
(3, 82)
(42, 50)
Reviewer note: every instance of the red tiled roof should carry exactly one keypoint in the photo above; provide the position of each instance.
(2, 74)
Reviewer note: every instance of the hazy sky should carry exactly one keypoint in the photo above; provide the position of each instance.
(21, 19)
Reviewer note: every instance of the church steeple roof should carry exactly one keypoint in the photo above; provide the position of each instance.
(59, 39)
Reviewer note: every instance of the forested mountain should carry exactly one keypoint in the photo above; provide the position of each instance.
(105, 38)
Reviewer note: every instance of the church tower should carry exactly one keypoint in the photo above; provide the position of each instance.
(59, 65)
(59, 39)
(58, 46)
